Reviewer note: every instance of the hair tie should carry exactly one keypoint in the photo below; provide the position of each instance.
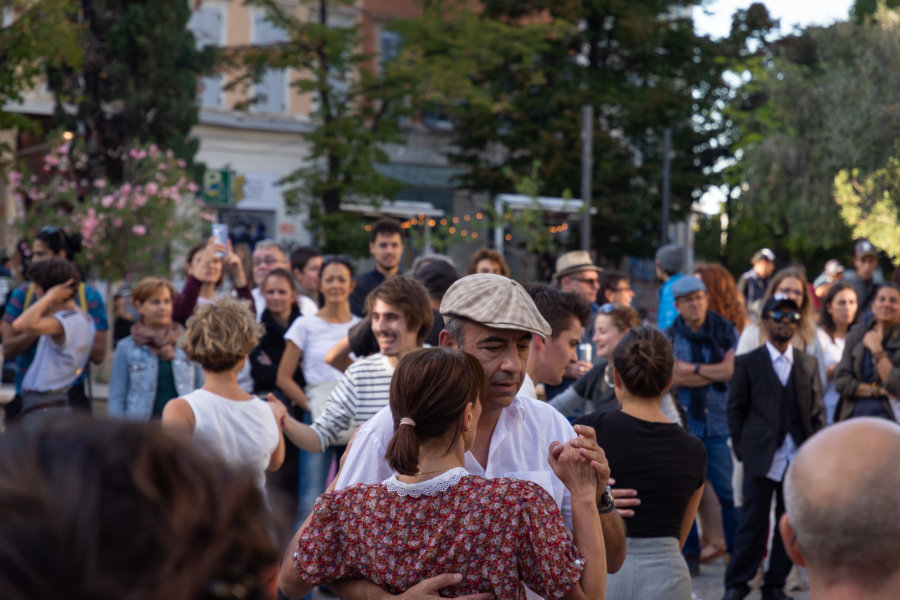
(407, 421)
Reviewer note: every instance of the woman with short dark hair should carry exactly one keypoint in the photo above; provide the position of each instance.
(659, 458)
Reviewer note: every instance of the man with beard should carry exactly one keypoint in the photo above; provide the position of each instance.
(386, 247)
(401, 318)
(492, 318)
(775, 404)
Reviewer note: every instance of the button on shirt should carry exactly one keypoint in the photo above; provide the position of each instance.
(519, 447)
(782, 363)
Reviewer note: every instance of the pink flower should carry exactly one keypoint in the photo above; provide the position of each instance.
(117, 222)
(99, 183)
(121, 203)
(151, 189)
(180, 162)
(51, 160)
(107, 201)
(192, 187)
(139, 229)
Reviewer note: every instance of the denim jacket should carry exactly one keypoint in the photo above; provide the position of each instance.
(132, 382)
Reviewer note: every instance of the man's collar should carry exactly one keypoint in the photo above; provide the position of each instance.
(774, 354)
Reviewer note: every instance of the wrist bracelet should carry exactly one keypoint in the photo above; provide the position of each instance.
(879, 355)
(696, 368)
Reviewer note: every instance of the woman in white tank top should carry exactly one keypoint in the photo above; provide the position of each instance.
(222, 417)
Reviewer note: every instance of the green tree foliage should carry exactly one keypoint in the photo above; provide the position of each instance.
(515, 80)
(861, 10)
(137, 82)
(813, 104)
(870, 205)
(38, 35)
(359, 106)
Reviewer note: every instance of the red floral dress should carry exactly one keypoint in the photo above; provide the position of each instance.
(498, 533)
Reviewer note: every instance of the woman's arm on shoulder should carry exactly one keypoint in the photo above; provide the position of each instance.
(178, 416)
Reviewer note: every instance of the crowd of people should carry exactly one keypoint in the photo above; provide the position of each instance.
(428, 432)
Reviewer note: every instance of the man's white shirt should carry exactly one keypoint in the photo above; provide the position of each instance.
(519, 448)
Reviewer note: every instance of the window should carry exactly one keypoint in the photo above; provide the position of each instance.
(207, 25)
(272, 88)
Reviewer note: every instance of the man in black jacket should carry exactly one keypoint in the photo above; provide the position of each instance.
(774, 405)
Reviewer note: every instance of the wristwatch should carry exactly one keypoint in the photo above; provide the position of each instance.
(607, 502)
(696, 368)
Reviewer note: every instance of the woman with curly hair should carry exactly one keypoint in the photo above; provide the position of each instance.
(221, 416)
(724, 297)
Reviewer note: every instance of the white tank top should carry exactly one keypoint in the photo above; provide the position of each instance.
(243, 432)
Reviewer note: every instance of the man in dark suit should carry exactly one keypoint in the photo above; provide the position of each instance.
(774, 405)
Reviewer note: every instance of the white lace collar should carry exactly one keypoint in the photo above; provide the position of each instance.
(429, 487)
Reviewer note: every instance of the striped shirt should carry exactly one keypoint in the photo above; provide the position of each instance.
(362, 392)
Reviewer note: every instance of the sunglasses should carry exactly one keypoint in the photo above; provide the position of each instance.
(781, 315)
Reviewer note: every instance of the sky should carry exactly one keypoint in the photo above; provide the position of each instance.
(790, 12)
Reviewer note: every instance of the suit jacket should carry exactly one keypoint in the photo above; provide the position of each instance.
(754, 409)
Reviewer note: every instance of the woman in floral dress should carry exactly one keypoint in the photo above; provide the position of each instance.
(432, 517)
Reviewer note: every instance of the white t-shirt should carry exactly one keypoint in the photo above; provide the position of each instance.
(242, 432)
(308, 306)
(519, 447)
(56, 366)
(315, 337)
(832, 350)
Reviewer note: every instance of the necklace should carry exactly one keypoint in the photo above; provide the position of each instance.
(432, 472)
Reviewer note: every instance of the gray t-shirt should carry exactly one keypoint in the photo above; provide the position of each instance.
(57, 366)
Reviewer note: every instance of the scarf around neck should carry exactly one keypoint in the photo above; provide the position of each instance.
(717, 334)
(161, 342)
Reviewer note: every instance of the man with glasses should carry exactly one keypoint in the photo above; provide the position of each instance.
(268, 255)
(577, 274)
(774, 406)
(703, 345)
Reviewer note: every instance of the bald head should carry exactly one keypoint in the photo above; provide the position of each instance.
(842, 494)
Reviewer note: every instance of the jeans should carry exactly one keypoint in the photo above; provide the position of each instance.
(718, 471)
(314, 467)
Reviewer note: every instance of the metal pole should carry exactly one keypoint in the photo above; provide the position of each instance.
(666, 182)
(587, 169)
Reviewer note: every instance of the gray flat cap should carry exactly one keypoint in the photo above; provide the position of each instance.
(494, 301)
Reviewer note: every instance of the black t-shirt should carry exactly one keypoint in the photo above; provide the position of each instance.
(662, 461)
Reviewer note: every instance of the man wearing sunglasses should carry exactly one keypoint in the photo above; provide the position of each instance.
(774, 405)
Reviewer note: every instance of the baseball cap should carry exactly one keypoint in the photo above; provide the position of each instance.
(864, 248)
(779, 301)
(765, 253)
(494, 301)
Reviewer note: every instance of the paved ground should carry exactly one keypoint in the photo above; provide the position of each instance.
(709, 584)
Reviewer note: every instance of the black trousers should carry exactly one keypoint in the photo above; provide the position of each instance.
(750, 541)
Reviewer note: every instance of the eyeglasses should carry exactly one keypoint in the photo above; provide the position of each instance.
(590, 282)
(265, 260)
(621, 289)
(782, 315)
(789, 292)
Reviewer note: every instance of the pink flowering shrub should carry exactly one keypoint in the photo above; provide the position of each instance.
(132, 228)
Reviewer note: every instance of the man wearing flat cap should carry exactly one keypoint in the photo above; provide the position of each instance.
(774, 406)
(703, 344)
(493, 318)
